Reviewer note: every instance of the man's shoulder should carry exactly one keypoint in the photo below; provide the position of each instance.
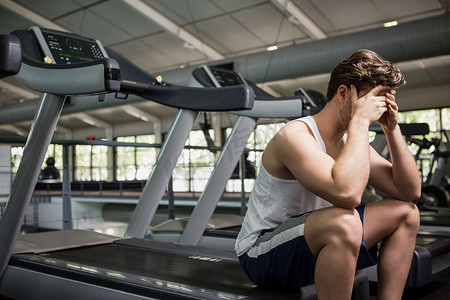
(294, 135)
(294, 128)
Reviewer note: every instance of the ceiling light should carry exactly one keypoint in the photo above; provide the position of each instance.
(272, 48)
(137, 115)
(188, 45)
(89, 121)
(293, 20)
(391, 24)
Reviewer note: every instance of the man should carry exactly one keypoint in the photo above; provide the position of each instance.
(304, 221)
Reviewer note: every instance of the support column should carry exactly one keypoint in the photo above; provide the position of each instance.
(22, 189)
(5, 172)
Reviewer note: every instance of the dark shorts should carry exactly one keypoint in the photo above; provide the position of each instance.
(280, 258)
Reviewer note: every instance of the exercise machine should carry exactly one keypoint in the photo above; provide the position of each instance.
(10, 55)
(432, 253)
(436, 185)
(433, 201)
(93, 265)
(76, 264)
(221, 228)
(431, 257)
(224, 228)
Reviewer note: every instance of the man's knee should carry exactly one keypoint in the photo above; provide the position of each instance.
(334, 227)
(407, 214)
(348, 228)
(411, 215)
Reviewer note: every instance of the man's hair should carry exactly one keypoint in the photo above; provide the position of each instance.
(364, 66)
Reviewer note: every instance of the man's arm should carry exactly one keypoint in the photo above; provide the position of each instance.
(400, 178)
(340, 181)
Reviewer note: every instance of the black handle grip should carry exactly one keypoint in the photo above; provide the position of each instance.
(10, 55)
(202, 99)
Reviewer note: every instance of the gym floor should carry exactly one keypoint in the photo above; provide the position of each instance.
(436, 290)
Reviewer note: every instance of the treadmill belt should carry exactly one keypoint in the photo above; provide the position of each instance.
(139, 269)
(434, 219)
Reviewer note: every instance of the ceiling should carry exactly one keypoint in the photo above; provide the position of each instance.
(160, 35)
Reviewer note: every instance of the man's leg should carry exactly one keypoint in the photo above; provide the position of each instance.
(395, 223)
(334, 237)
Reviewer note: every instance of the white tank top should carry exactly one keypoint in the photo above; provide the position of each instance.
(274, 200)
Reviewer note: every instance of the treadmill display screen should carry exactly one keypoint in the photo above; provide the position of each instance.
(226, 78)
(68, 49)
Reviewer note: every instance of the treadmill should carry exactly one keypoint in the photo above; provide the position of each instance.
(223, 228)
(220, 230)
(432, 252)
(78, 264)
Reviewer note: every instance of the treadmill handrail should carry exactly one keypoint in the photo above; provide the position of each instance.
(202, 99)
(91, 77)
(273, 108)
(264, 106)
(139, 82)
(94, 77)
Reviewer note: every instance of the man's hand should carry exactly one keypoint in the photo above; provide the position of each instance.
(389, 119)
(370, 107)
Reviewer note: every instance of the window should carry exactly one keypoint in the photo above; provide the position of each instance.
(256, 144)
(90, 163)
(135, 163)
(196, 161)
(126, 160)
(145, 157)
(16, 156)
(194, 165)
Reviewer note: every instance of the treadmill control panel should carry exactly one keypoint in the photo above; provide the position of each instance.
(226, 78)
(66, 48)
(216, 77)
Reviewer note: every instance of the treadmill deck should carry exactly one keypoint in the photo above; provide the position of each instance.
(153, 268)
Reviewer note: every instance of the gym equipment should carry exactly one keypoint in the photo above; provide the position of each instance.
(265, 106)
(380, 142)
(109, 269)
(94, 265)
(97, 76)
(437, 182)
(316, 98)
(432, 253)
(434, 202)
(193, 230)
(190, 230)
(431, 257)
(10, 55)
(434, 192)
(91, 265)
